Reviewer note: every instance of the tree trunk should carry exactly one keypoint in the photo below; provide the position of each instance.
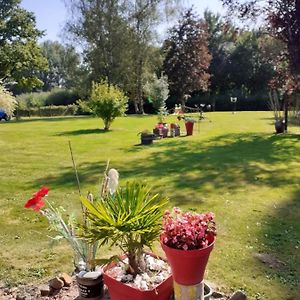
(286, 107)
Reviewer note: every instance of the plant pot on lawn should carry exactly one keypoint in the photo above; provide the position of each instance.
(114, 278)
(130, 219)
(90, 285)
(187, 240)
(279, 126)
(147, 137)
(189, 126)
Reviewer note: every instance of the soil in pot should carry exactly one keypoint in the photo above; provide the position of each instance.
(156, 283)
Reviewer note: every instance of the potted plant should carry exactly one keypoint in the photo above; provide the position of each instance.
(147, 137)
(189, 124)
(89, 278)
(131, 220)
(275, 106)
(187, 240)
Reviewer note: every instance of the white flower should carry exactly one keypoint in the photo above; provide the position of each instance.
(113, 180)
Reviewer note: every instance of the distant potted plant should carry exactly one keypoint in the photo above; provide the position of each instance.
(275, 105)
(189, 124)
(187, 240)
(131, 220)
(147, 137)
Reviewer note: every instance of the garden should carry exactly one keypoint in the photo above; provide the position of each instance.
(233, 166)
(144, 165)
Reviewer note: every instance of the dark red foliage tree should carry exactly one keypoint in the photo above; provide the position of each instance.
(187, 57)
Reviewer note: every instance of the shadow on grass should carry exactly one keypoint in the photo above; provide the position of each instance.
(280, 237)
(83, 131)
(222, 163)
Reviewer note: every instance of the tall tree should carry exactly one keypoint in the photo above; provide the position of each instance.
(283, 20)
(119, 38)
(63, 65)
(187, 56)
(20, 56)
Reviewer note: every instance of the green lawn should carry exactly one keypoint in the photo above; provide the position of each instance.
(234, 166)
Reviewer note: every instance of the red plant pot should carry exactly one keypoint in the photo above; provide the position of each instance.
(189, 128)
(121, 291)
(188, 266)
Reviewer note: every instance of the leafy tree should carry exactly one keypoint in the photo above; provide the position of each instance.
(118, 38)
(106, 102)
(7, 100)
(283, 20)
(187, 56)
(157, 90)
(63, 65)
(20, 56)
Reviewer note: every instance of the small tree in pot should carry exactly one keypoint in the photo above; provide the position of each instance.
(130, 220)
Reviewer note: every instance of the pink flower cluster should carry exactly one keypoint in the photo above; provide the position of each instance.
(189, 230)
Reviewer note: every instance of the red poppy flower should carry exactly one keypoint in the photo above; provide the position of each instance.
(36, 202)
(42, 192)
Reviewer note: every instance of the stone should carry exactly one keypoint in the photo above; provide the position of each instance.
(217, 295)
(21, 297)
(44, 290)
(56, 283)
(238, 295)
(66, 278)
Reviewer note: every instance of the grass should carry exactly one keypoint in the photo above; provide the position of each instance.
(234, 166)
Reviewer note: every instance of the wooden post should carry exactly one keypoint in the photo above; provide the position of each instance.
(191, 292)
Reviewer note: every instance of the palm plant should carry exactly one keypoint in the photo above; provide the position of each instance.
(131, 219)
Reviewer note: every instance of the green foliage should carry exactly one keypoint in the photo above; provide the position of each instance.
(187, 56)
(157, 90)
(131, 220)
(63, 66)
(55, 97)
(106, 102)
(20, 57)
(47, 111)
(7, 101)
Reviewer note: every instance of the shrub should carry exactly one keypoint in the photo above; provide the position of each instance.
(48, 111)
(7, 101)
(106, 102)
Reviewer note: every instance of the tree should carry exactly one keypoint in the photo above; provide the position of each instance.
(20, 56)
(107, 39)
(187, 56)
(118, 36)
(283, 20)
(63, 65)
(7, 101)
(157, 90)
(106, 102)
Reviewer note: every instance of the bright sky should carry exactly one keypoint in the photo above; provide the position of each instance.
(51, 14)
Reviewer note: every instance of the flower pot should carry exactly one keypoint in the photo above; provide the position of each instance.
(147, 139)
(279, 126)
(188, 266)
(119, 291)
(90, 288)
(189, 128)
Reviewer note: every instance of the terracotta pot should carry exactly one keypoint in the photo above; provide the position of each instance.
(189, 128)
(121, 291)
(188, 266)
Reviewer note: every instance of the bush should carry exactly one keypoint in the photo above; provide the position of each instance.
(7, 101)
(48, 111)
(106, 102)
(55, 97)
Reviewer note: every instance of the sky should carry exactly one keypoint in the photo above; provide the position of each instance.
(51, 14)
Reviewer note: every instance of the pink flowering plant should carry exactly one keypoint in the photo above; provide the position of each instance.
(188, 230)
